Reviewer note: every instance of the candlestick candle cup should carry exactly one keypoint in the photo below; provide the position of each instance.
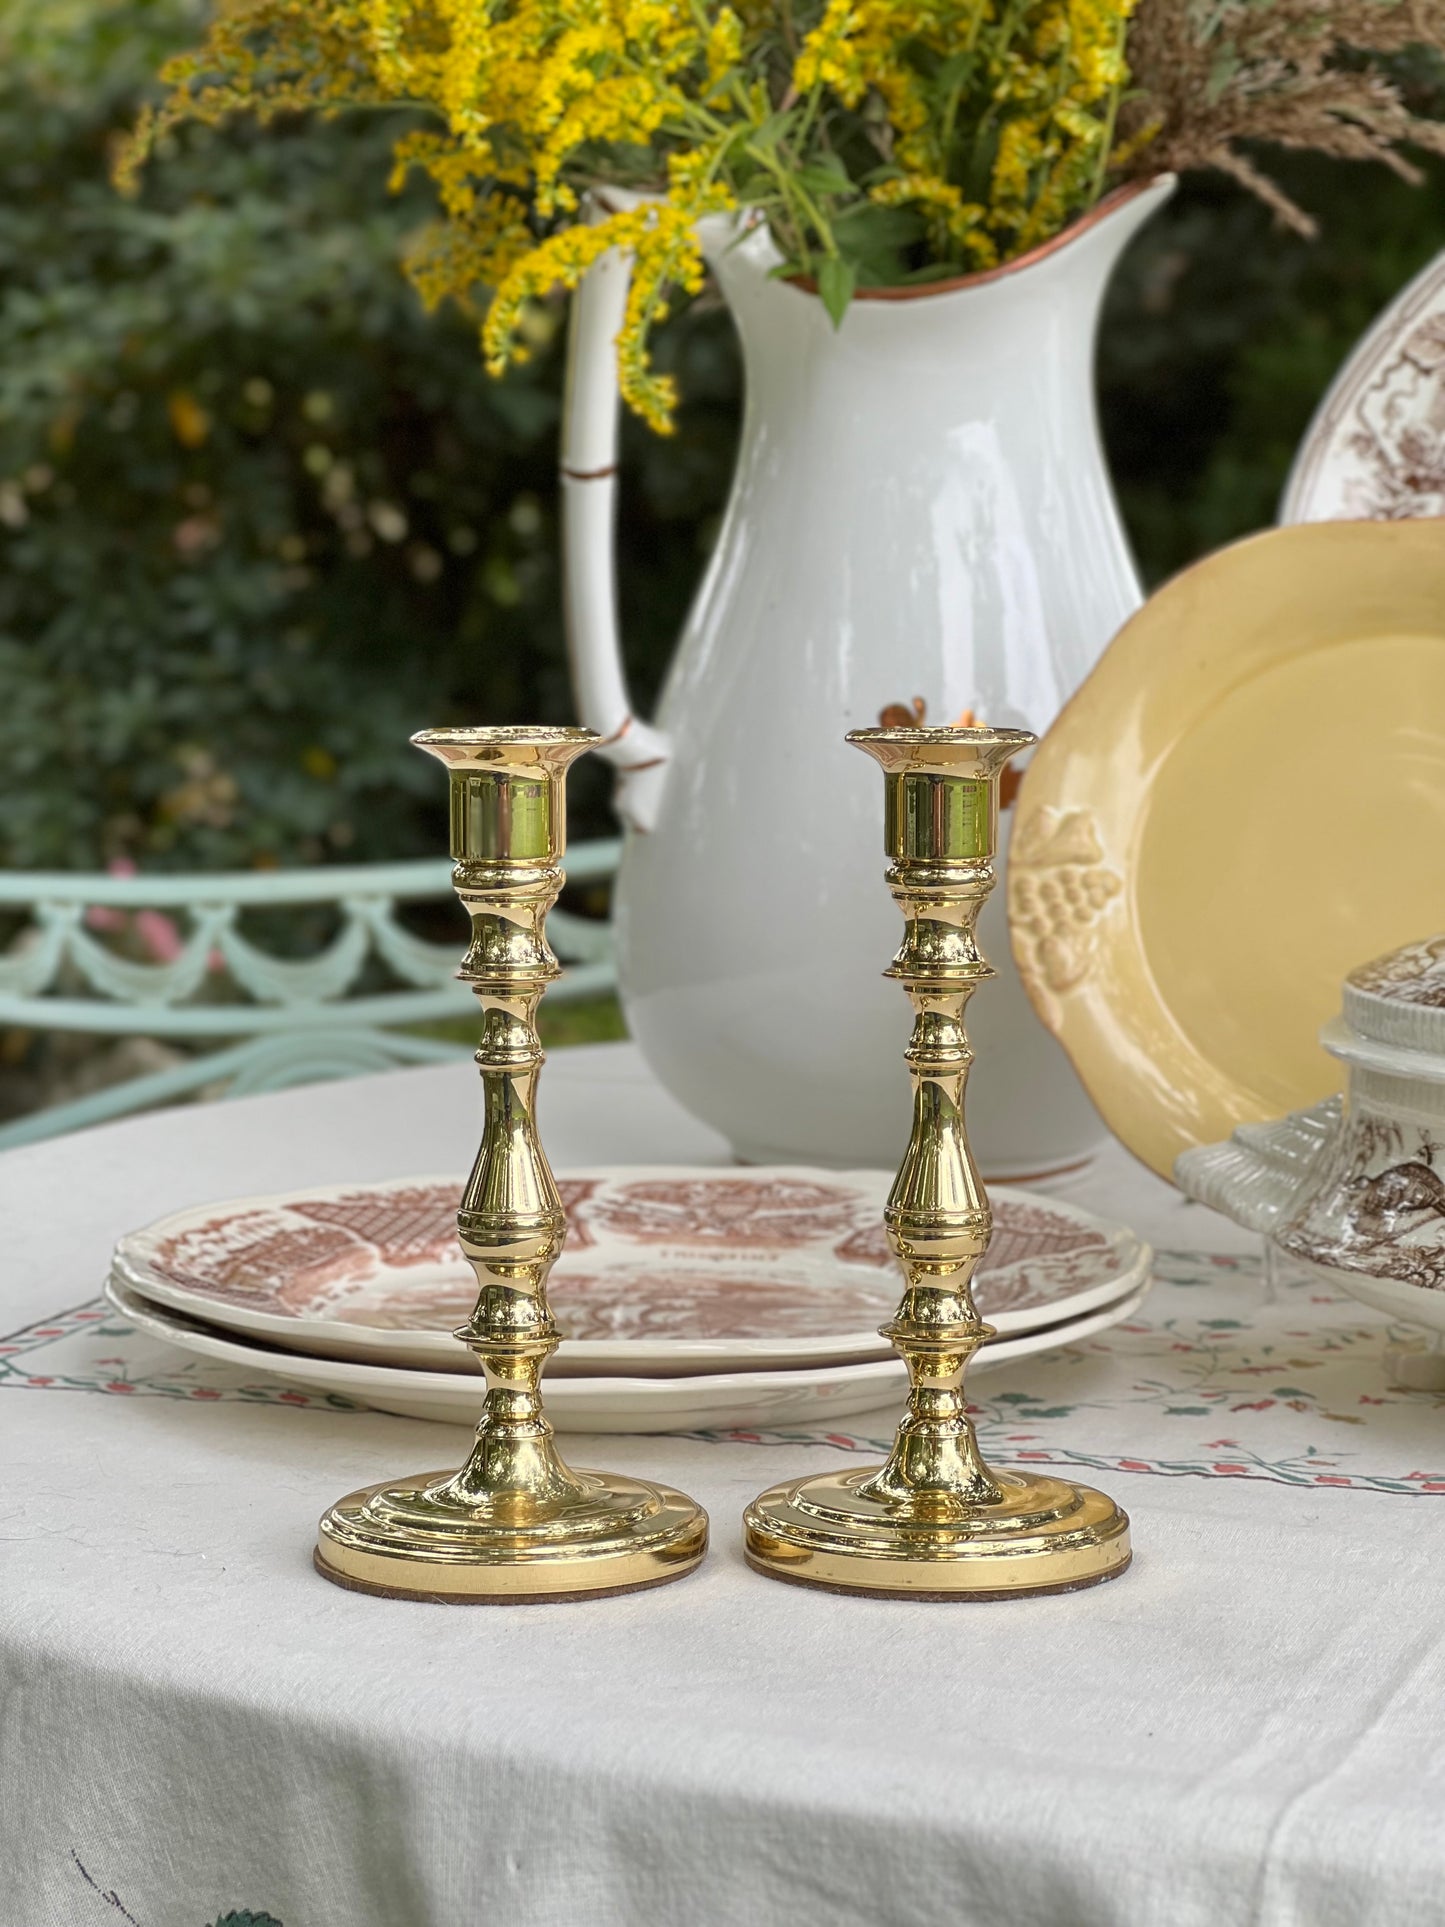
(936, 1522)
(516, 1523)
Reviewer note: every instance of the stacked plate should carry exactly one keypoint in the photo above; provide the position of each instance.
(1185, 965)
(687, 1298)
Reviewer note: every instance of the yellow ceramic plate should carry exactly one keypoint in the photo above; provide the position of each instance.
(1245, 800)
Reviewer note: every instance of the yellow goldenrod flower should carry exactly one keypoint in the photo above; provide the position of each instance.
(990, 122)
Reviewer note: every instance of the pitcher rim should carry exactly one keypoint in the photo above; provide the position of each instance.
(1101, 211)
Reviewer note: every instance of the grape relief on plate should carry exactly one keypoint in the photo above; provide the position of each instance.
(1059, 888)
(649, 1255)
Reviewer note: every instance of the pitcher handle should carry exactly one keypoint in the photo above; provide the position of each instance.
(589, 517)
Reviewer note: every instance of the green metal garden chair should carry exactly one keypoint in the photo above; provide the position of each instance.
(264, 1021)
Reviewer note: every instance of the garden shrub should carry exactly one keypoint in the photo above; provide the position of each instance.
(260, 517)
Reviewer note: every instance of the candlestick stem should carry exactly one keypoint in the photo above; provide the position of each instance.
(935, 1521)
(516, 1522)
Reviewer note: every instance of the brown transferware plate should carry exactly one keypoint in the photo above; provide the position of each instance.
(666, 1269)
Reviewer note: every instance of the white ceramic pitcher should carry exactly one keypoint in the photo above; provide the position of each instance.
(920, 509)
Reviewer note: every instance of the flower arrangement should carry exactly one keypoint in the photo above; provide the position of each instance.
(882, 141)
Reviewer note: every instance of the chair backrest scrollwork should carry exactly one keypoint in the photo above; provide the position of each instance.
(239, 1014)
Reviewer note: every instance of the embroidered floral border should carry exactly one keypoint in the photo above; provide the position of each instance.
(1209, 1379)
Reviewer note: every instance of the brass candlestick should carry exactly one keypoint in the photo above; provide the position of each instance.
(515, 1523)
(935, 1522)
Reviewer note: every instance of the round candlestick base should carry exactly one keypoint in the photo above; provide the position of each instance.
(1043, 1535)
(412, 1539)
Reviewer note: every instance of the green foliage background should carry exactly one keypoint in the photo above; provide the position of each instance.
(260, 517)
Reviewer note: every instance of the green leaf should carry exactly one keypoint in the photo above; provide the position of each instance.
(756, 188)
(836, 282)
(955, 70)
(826, 175)
(877, 241)
(769, 132)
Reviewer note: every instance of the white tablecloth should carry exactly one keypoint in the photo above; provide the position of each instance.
(1248, 1727)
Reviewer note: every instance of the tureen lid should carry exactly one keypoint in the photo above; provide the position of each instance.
(1400, 998)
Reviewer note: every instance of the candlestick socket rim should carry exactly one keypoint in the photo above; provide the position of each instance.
(911, 734)
(964, 755)
(507, 749)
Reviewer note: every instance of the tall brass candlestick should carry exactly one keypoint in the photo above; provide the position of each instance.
(515, 1523)
(935, 1522)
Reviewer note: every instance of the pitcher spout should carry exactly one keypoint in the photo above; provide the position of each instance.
(1097, 240)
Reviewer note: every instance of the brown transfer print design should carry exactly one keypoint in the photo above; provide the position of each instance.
(644, 1301)
(1023, 1231)
(1020, 1231)
(414, 1225)
(736, 1213)
(335, 1258)
(261, 1259)
(432, 1304)
(1035, 1257)
(639, 1302)
(1413, 975)
(1378, 1206)
(575, 1193)
(1377, 451)
(868, 1245)
(300, 1258)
